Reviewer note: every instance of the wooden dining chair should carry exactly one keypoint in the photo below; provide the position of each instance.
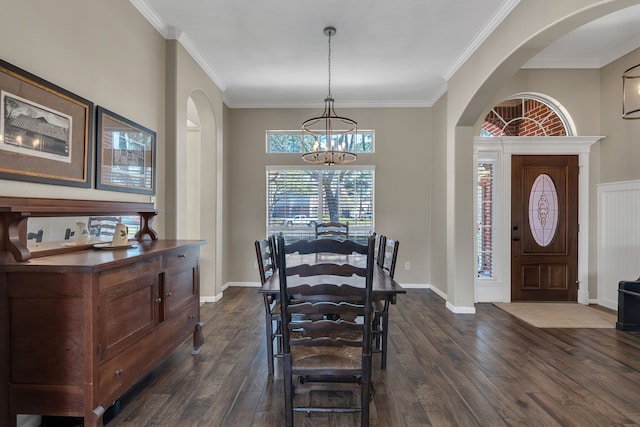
(36, 236)
(323, 352)
(388, 257)
(332, 230)
(103, 225)
(265, 254)
(379, 248)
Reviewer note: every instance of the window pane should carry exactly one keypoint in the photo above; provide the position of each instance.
(298, 199)
(485, 220)
(300, 142)
(543, 210)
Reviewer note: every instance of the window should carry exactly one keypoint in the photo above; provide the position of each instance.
(485, 206)
(287, 141)
(527, 115)
(300, 197)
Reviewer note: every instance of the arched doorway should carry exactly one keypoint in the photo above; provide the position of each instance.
(532, 128)
(192, 173)
(197, 175)
(469, 91)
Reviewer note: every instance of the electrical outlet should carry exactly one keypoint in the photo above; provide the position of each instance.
(407, 265)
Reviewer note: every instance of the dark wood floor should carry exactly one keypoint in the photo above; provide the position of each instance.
(444, 369)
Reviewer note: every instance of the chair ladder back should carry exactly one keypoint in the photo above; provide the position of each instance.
(390, 256)
(103, 225)
(273, 324)
(379, 248)
(265, 257)
(344, 247)
(332, 230)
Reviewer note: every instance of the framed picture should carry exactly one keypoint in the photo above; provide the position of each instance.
(126, 155)
(46, 132)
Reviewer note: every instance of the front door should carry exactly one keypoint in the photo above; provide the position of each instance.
(544, 228)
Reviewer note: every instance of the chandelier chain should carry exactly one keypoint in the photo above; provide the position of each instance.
(329, 96)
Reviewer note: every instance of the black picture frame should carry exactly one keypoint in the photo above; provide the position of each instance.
(126, 154)
(46, 132)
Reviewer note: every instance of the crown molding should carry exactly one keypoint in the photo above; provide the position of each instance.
(484, 33)
(172, 33)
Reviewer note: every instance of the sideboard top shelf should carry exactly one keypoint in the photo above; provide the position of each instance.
(15, 212)
(64, 207)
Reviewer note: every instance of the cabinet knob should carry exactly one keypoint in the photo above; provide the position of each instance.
(168, 294)
(182, 256)
(119, 372)
(158, 300)
(192, 316)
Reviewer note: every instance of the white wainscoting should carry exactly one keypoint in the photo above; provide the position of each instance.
(618, 238)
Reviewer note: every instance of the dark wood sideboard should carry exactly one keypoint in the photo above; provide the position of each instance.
(79, 328)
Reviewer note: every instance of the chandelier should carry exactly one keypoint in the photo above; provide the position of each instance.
(330, 131)
(631, 93)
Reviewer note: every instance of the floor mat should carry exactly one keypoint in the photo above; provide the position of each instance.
(560, 315)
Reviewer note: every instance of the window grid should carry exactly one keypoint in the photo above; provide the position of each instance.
(299, 198)
(485, 198)
(296, 141)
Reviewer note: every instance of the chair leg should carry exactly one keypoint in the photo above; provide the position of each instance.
(277, 337)
(375, 330)
(269, 333)
(385, 330)
(365, 392)
(288, 390)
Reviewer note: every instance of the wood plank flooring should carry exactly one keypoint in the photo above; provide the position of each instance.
(443, 369)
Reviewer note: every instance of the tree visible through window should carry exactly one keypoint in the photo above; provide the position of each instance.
(299, 142)
(297, 199)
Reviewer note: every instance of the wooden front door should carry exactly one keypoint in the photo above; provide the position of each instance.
(544, 228)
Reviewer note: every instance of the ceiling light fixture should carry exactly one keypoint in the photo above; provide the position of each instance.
(331, 132)
(631, 93)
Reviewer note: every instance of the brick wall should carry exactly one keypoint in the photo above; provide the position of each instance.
(538, 120)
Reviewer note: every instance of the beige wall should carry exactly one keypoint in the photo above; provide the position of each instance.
(189, 81)
(620, 151)
(403, 179)
(576, 90)
(105, 52)
(438, 277)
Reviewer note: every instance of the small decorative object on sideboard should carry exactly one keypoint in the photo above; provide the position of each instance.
(121, 235)
(81, 235)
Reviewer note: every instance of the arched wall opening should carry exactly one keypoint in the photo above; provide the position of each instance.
(524, 33)
(197, 177)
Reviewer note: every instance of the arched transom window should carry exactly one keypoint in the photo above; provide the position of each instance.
(526, 115)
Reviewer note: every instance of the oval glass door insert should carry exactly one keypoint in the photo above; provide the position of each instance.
(543, 210)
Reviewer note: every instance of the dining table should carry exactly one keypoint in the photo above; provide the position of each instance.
(384, 288)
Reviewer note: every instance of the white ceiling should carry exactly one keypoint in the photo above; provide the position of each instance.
(273, 53)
